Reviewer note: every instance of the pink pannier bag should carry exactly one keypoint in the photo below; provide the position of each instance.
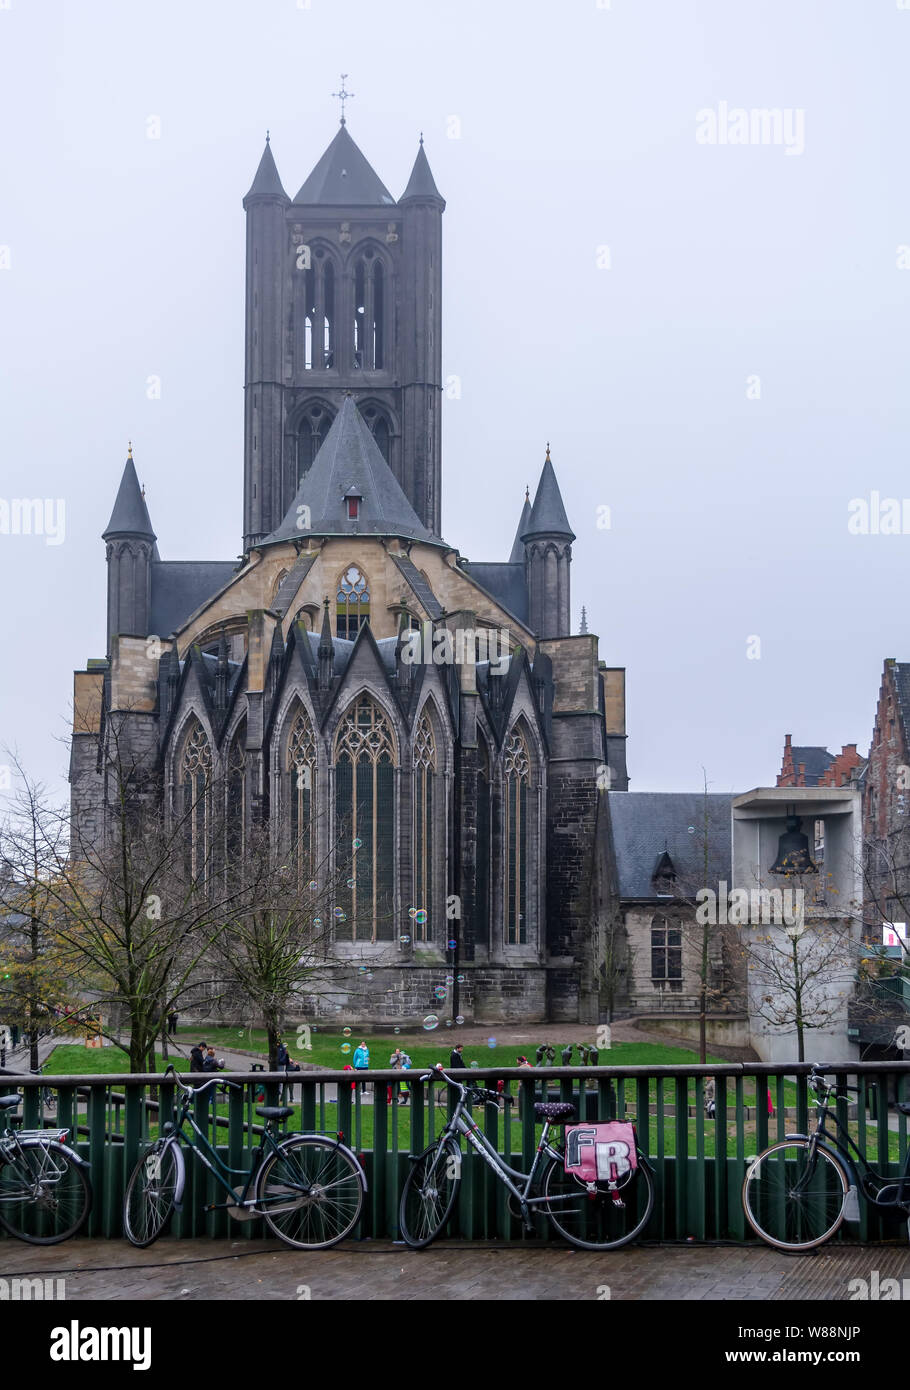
(603, 1153)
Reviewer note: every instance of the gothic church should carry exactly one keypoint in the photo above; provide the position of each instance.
(280, 685)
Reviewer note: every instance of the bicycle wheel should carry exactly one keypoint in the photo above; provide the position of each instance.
(597, 1222)
(150, 1193)
(793, 1200)
(429, 1193)
(44, 1195)
(310, 1193)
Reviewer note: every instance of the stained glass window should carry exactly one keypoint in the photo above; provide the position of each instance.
(365, 819)
(517, 779)
(424, 808)
(195, 779)
(353, 602)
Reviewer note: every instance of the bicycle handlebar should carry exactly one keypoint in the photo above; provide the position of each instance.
(194, 1090)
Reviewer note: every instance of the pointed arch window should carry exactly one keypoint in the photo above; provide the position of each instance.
(482, 877)
(319, 313)
(353, 603)
(301, 794)
(236, 795)
(311, 432)
(369, 312)
(195, 783)
(378, 425)
(424, 839)
(365, 819)
(517, 764)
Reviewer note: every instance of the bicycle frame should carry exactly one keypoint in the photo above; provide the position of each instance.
(841, 1143)
(201, 1146)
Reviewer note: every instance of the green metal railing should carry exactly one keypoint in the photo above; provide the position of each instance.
(699, 1161)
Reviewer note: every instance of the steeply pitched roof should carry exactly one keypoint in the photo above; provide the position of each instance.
(548, 515)
(419, 586)
(343, 177)
(645, 824)
(349, 457)
(517, 556)
(421, 184)
(179, 587)
(266, 183)
(130, 516)
(816, 760)
(505, 583)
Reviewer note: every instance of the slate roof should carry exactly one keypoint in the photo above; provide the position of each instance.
(130, 516)
(647, 823)
(817, 762)
(343, 648)
(421, 184)
(344, 177)
(504, 582)
(420, 586)
(548, 515)
(266, 183)
(179, 587)
(350, 457)
(517, 557)
(292, 582)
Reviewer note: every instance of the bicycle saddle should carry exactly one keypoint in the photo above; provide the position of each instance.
(558, 1112)
(7, 1101)
(274, 1112)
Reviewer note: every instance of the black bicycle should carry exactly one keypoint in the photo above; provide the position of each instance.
(798, 1191)
(308, 1187)
(591, 1216)
(45, 1192)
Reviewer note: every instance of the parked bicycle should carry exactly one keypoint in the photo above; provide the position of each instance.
(308, 1187)
(797, 1192)
(45, 1192)
(590, 1215)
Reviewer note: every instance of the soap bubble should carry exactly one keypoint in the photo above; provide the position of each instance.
(357, 843)
(312, 885)
(350, 883)
(346, 1032)
(448, 1023)
(420, 915)
(345, 1047)
(460, 979)
(430, 1022)
(412, 911)
(369, 974)
(475, 1064)
(491, 1042)
(363, 969)
(452, 944)
(405, 940)
(340, 915)
(440, 992)
(450, 979)
(397, 1030)
(317, 921)
(459, 1018)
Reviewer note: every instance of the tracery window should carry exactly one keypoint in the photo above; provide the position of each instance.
(195, 781)
(319, 313)
(353, 603)
(424, 809)
(311, 432)
(236, 795)
(517, 780)
(365, 820)
(482, 880)
(301, 792)
(369, 312)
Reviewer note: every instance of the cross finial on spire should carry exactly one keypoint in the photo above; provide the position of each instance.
(548, 451)
(266, 137)
(343, 96)
(527, 492)
(421, 137)
(129, 450)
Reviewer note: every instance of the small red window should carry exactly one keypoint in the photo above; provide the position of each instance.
(353, 508)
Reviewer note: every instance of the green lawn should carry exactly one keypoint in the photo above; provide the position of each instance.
(74, 1059)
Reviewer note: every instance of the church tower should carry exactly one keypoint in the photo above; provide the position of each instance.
(343, 297)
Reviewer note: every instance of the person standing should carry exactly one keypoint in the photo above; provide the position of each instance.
(361, 1058)
(172, 1023)
(456, 1059)
(197, 1057)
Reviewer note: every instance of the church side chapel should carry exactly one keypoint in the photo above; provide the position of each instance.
(287, 684)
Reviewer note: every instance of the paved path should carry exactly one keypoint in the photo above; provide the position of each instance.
(381, 1270)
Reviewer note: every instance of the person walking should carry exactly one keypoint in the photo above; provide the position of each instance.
(456, 1059)
(172, 1023)
(404, 1096)
(197, 1057)
(709, 1101)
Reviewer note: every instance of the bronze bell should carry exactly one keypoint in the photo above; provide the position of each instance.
(793, 855)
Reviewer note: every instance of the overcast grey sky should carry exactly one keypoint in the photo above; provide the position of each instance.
(576, 127)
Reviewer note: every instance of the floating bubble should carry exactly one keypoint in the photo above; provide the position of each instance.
(448, 1023)
(459, 1018)
(491, 1042)
(475, 1064)
(350, 883)
(346, 1032)
(369, 974)
(440, 992)
(363, 970)
(312, 885)
(420, 915)
(317, 921)
(430, 1022)
(396, 1030)
(460, 979)
(452, 945)
(450, 979)
(357, 843)
(405, 940)
(412, 911)
(345, 1047)
(340, 915)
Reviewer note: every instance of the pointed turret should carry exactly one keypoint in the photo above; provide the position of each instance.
(583, 630)
(130, 547)
(517, 556)
(421, 184)
(222, 674)
(266, 183)
(548, 550)
(326, 649)
(130, 516)
(344, 177)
